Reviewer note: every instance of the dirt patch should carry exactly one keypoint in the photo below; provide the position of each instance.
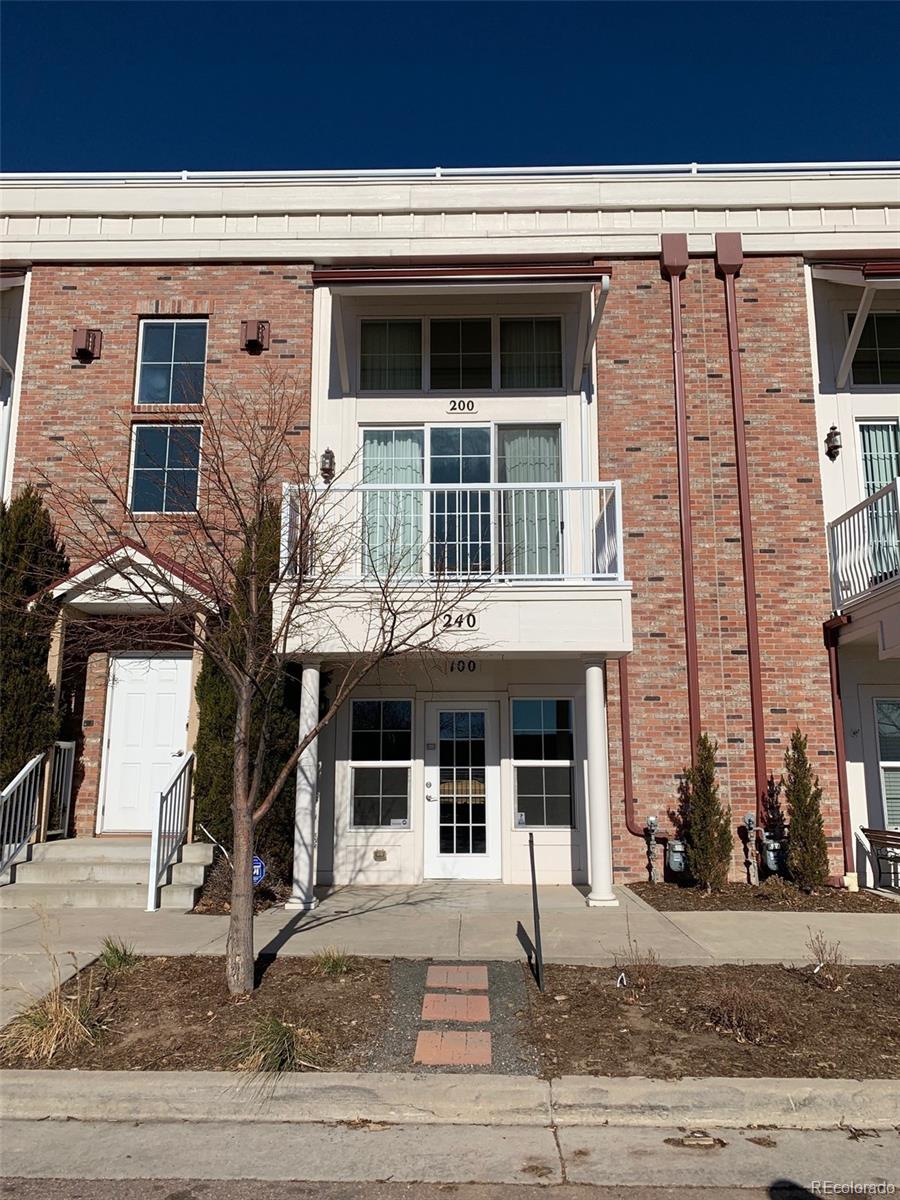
(215, 898)
(175, 1014)
(775, 895)
(584, 1024)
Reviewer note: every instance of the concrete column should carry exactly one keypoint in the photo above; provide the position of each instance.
(307, 794)
(599, 831)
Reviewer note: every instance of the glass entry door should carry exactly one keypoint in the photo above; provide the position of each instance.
(462, 794)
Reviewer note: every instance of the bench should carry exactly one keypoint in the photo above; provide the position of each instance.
(885, 844)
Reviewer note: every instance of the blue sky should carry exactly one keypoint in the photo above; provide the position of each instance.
(219, 85)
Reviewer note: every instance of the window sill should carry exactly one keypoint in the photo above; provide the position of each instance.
(167, 410)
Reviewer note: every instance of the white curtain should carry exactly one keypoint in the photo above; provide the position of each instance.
(530, 353)
(881, 465)
(530, 528)
(392, 521)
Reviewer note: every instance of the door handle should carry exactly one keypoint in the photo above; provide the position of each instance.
(177, 754)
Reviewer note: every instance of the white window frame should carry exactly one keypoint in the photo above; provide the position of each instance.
(495, 389)
(870, 388)
(136, 425)
(883, 762)
(176, 404)
(399, 764)
(543, 762)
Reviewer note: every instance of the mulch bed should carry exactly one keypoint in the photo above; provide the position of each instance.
(774, 895)
(175, 1014)
(215, 898)
(672, 1025)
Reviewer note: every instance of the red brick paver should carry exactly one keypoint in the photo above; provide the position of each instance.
(453, 1048)
(460, 979)
(437, 1007)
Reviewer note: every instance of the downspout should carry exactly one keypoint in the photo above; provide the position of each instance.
(674, 263)
(830, 629)
(729, 260)
(627, 777)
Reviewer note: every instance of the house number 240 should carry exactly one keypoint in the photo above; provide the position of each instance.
(455, 620)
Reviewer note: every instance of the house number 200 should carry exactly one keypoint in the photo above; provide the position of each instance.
(458, 406)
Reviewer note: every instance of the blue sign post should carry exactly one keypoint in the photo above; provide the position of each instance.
(259, 870)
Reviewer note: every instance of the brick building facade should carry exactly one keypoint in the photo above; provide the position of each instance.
(522, 254)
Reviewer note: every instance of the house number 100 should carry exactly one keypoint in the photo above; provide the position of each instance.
(463, 664)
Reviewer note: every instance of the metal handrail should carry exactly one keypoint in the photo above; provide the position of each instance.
(514, 533)
(59, 796)
(170, 827)
(864, 546)
(20, 809)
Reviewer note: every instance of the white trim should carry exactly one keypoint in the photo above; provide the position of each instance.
(881, 763)
(11, 418)
(164, 423)
(178, 405)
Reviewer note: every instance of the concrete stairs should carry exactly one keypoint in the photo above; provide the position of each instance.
(102, 873)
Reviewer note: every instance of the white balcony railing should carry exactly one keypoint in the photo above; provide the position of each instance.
(864, 546)
(509, 533)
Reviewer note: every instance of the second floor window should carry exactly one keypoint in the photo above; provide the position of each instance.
(877, 357)
(172, 362)
(461, 354)
(390, 356)
(165, 468)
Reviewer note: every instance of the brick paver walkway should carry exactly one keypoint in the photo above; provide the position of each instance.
(455, 1047)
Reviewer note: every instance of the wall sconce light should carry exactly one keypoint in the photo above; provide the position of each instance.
(326, 466)
(254, 336)
(833, 442)
(86, 344)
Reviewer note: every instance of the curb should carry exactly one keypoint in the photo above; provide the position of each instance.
(448, 1099)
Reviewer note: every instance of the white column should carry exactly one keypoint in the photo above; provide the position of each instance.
(307, 794)
(599, 831)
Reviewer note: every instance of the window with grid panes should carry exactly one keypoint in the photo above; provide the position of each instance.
(172, 362)
(543, 757)
(381, 753)
(877, 357)
(390, 356)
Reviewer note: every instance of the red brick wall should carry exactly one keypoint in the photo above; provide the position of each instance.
(637, 444)
(92, 723)
(64, 402)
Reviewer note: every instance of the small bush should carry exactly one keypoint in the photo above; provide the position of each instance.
(703, 821)
(830, 968)
(750, 1016)
(331, 961)
(807, 849)
(117, 957)
(60, 1022)
(639, 967)
(274, 1046)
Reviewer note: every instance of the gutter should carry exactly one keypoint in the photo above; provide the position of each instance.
(674, 263)
(729, 260)
(831, 630)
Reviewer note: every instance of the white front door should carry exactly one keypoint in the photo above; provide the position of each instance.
(146, 735)
(462, 791)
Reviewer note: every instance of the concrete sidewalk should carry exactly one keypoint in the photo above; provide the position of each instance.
(509, 1130)
(443, 921)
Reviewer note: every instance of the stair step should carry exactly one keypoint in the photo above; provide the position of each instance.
(133, 873)
(99, 850)
(93, 895)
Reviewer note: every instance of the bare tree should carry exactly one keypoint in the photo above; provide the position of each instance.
(227, 574)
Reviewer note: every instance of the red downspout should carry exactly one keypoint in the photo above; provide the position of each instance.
(830, 629)
(730, 259)
(627, 778)
(674, 262)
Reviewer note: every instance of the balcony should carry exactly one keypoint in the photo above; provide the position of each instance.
(864, 548)
(525, 568)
